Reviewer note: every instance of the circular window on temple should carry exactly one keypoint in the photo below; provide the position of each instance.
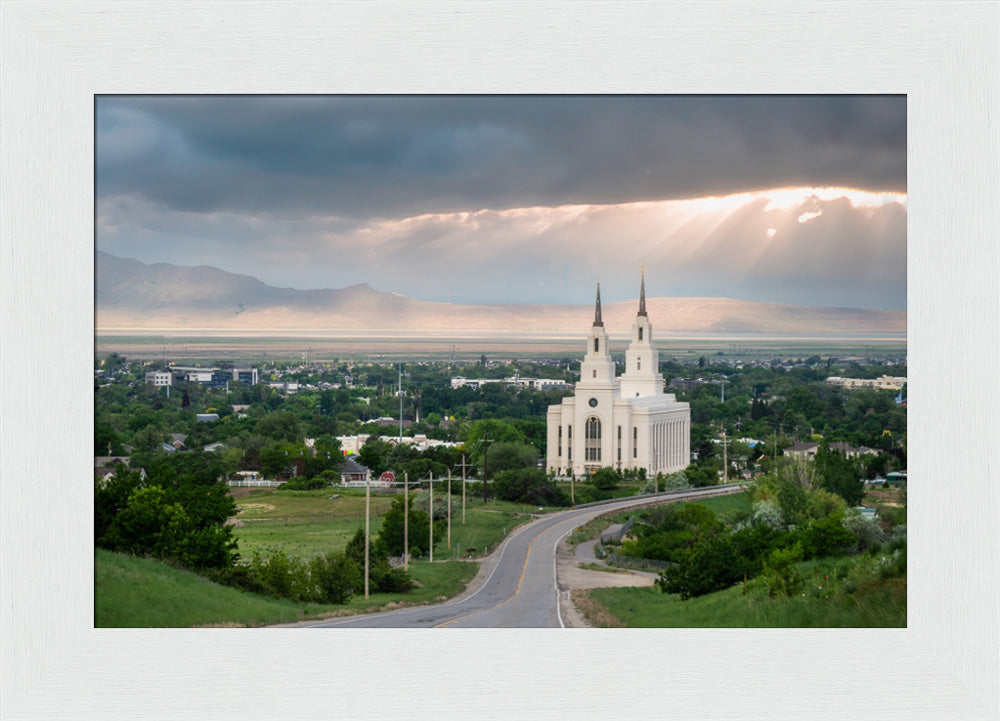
(593, 403)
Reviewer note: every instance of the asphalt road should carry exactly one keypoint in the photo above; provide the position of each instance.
(521, 589)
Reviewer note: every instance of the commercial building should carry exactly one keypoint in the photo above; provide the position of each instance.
(213, 377)
(891, 383)
(514, 381)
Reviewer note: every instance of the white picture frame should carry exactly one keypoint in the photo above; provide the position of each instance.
(57, 56)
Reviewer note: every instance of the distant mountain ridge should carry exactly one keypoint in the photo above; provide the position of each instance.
(132, 296)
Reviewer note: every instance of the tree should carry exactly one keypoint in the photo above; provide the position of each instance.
(528, 485)
(605, 479)
(278, 460)
(511, 456)
(391, 534)
(374, 456)
(839, 475)
(176, 513)
(105, 438)
(280, 426)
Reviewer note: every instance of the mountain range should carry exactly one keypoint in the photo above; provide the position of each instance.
(132, 297)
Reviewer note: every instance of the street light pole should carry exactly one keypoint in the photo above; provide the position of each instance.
(449, 508)
(463, 489)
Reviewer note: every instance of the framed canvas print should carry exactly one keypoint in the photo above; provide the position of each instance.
(144, 142)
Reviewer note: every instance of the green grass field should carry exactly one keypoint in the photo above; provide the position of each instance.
(141, 593)
(302, 523)
(837, 593)
(306, 523)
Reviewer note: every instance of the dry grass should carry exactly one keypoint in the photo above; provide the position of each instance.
(596, 615)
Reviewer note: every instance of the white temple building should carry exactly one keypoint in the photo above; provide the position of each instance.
(623, 422)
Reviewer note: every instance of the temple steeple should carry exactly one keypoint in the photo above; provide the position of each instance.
(598, 369)
(642, 361)
(642, 293)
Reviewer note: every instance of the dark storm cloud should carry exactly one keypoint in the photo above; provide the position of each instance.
(390, 156)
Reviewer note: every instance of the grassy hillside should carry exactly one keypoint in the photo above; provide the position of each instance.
(139, 592)
(845, 592)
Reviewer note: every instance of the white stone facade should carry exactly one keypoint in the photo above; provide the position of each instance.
(622, 422)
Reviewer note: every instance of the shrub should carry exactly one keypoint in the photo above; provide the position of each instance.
(605, 479)
(706, 567)
(334, 578)
(868, 531)
(281, 576)
(387, 579)
(781, 572)
(826, 537)
(767, 513)
(305, 484)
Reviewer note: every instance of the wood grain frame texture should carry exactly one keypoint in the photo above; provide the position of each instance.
(57, 56)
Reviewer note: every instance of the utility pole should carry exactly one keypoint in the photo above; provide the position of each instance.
(406, 521)
(486, 448)
(400, 402)
(449, 508)
(368, 501)
(464, 465)
(725, 463)
(430, 485)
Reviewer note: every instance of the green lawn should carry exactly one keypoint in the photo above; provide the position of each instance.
(142, 593)
(843, 592)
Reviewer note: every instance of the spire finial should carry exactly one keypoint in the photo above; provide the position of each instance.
(597, 307)
(642, 292)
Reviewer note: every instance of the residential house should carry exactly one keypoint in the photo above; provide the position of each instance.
(353, 473)
(802, 451)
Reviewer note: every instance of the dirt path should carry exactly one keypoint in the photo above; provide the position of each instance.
(573, 578)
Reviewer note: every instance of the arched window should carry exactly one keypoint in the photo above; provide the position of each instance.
(597, 345)
(640, 332)
(592, 439)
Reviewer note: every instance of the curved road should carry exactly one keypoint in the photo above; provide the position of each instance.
(521, 590)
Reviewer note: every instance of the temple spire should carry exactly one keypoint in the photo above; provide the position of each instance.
(597, 307)
(642, 292)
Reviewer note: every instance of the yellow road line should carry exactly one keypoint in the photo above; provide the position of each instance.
(517, 590)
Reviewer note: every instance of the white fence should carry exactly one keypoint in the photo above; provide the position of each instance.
(242, 483)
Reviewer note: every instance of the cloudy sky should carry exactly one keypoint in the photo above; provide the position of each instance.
(794, 199)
